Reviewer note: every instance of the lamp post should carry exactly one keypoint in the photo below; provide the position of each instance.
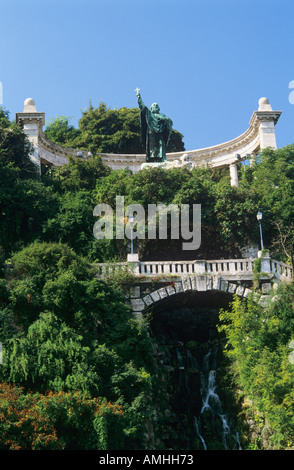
(131, 220)
(259, 218)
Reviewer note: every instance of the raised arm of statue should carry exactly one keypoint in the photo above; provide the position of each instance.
(140, 102)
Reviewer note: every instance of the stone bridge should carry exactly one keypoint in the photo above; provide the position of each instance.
(156, 282)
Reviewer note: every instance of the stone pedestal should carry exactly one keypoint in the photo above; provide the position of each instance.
(133, 260)
(267, 120)
(266, 263)
(32, 122)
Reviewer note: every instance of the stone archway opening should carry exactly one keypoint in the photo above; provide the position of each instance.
(191, 405)
(189, 316)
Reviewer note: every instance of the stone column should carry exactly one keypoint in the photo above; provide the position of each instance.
(234, 174)
(267, 120)
(32, 122)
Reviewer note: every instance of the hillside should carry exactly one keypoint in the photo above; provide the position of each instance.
(79, 371)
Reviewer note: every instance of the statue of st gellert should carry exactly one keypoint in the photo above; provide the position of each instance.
(155, 131)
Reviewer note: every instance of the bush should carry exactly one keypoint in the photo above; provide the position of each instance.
(55, 421)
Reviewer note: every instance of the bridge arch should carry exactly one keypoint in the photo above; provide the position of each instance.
(143, 297)
(155, 282)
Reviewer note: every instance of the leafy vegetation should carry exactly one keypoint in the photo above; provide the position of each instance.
(58, 421)
(78, 370)
(258, 350)
(105, 130)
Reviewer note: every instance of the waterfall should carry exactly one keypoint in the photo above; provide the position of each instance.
(211, 408)
(211, 402)
(181, 365)
(180, 359)
(237, 440)
(197, 429)
(191, 361)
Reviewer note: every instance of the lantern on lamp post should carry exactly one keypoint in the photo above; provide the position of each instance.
(259, 218)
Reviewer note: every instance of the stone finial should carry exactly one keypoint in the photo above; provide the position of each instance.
(29, 106)
(264, 104)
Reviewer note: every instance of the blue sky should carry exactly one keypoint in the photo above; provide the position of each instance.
(206, 62)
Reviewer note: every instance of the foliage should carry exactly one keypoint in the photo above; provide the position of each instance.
(14, 146)
(258, 347)
(110, 131)
(227, 214)
(60, 131)
(51, 356)
(105, 130)
(73, 223)
(4, 118)
(84, 363)
(55, 421)
(79, 174)
(25, 205)
(271, 183)
(51, 277)
(64, 330)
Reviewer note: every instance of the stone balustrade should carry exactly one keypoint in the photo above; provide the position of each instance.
(228, 269)
(281, 270)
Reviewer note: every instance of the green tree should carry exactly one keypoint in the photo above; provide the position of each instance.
(270, 182)
(73, 222)
(52, 277)
(60, 131)
(25, 204)
(65, 330)
(4, 118)
(15, 147)
(58, 421)
(106, 130)
(257, 344)
(50, 356)
(79, 174)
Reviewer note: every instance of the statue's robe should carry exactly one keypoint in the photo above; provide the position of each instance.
(155, 133)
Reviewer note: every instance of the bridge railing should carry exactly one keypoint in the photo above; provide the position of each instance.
(230, 266)
(170, 267)
(107, 269)
(196, 267)
(281, 270)
(215, 267)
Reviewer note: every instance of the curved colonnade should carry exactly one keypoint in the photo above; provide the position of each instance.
(259, 135)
